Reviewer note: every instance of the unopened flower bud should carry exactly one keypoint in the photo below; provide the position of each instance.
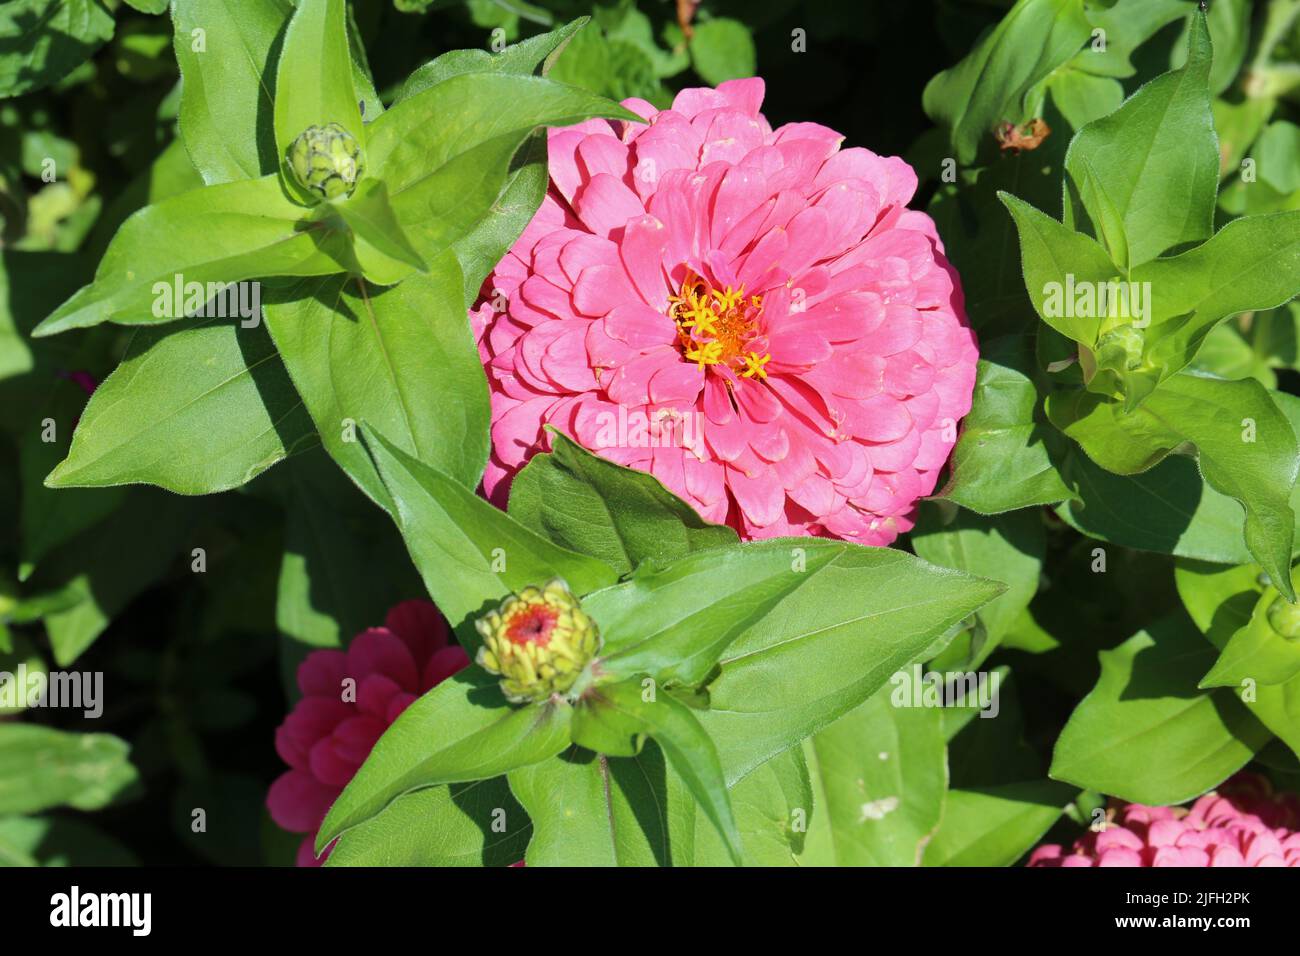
(1121, 348)
(327, 160)
(538, 641)
(1284, 618)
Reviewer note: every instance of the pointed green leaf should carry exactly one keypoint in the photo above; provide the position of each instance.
(996, 825)
(1155, 160)
(1251, 264)
(460, 731)
(224, 51)
(470, 554)
(217, 234)
(1057, 260)
(383, 251)
(357, 353)
(673, 622)
(445, 167)
(1007, 455)
(1221, 601)
(622, 516)
(1009, 548)
(1243, 443)
(450, 825)
(612, 709)
(990, 85)
(591, 810)
(879, 774)
(195, 410)
(798, 670)
(1257, 652)
(1145, 733)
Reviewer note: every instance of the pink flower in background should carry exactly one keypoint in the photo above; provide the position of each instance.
(1242, 824)
(751, 315)
(330, 732)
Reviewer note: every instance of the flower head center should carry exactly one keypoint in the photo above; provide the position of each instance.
(719, 327)
(532, 625)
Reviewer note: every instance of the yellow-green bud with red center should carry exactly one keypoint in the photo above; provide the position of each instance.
(539, 641)
(327, 160)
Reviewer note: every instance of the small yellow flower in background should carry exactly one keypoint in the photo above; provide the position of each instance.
(538, 641)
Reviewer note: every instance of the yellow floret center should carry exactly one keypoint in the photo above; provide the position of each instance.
(719, 326)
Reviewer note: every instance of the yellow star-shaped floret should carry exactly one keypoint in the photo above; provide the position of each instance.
(708, 353)
(754, 365)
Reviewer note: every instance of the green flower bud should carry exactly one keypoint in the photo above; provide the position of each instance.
(538, 641)
(328, 160)
(1121, 348)
(1284, 618)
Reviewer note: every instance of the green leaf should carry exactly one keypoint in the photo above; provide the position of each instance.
(1238, 126)
(313, 81)
(996, 825)
(1009, 548)
(375, 355)
(59, 841)
(1168, 509)
(17, 652)
(586, 503)
(1221, 601)
(462, 730)
(1145, 733)
(1256, 652)
(1052, 253)
(1229, 23)
(1006, 456)
(1244, 445)
(722, 49)
(1126, 25)
(1251, 264)
(990, 85)
(879, 774)
(456, 825)
(672, 623)
(534, 55)
(226, 54)
(592, 810)
(479, 250)
(470, 554)
(772, 806)
(218, 234)
(1083, 97)
(383, 251)
(610, 709)
(800, 669)
(1155, 160)
(41, 767)
(42, 41)
(195, 410)
(445, 167)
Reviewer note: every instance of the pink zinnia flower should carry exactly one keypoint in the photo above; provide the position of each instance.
(1242, 824)
(332, 729)
(751, 315)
